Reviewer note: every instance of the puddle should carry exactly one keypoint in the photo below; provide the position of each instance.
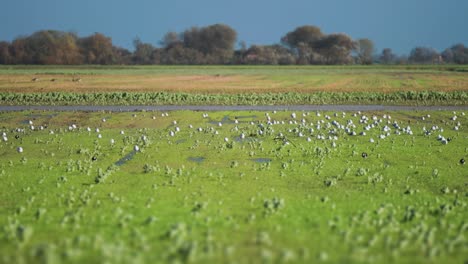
(36, 116)
(126, 158)
(196, 159)
(246, 139)
(180, 141)
(261, 160)
(227, 120)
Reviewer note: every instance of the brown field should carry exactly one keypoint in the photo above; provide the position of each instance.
(237, 81)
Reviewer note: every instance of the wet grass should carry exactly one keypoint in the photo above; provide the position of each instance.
(296, 187)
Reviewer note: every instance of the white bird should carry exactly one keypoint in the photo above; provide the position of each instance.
(99, 136)
(122, 132)
(5, 138)
(88, 129)
(97, 130)
(112, 141)
(371, 140)
(226, 139)
(20, 149)
(136, 148)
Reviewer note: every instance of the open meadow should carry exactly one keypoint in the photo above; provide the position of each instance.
(234, 85)
(234, 187)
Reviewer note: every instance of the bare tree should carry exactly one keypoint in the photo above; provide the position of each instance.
(456, 54)
(424, 55)
(365, 50)
(387, 56)
(170, 39)
(336, 48)
(143, 53)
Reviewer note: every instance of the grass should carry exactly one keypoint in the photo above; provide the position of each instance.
(197, 197)
(233, 79)
(233, 85)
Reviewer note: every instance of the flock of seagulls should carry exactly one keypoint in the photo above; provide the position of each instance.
(323, 128)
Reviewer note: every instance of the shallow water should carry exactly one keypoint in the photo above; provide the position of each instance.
(126, 158)
(262, 160)
(227, 119)
(196, 159)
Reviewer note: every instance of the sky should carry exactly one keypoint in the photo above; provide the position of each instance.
(397, 24)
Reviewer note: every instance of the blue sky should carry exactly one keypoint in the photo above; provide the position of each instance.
(397, 24)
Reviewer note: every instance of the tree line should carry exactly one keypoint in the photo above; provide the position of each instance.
(215, 44)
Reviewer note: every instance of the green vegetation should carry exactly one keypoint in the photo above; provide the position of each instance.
(167, 98)
(232, 85)
(240, 187)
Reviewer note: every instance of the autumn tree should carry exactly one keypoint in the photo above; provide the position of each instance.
(97, 49)
(48, 47)
(308, 35)
(5, 56)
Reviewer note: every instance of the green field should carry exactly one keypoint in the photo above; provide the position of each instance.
(234, 85)
(210, 189)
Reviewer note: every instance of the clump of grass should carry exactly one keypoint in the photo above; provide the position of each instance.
(273, 205)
